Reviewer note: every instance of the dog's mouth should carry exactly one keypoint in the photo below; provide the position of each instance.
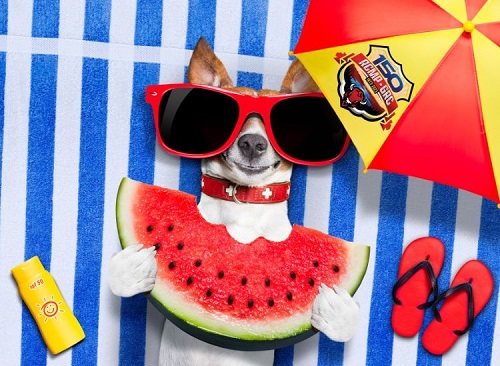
(256, 169)
(251, 169)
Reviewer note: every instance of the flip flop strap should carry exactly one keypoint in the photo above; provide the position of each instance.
(425, 265)
(466, 286)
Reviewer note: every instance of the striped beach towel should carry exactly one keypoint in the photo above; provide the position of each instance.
(73, 122)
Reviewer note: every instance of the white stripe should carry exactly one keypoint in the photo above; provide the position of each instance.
(71, 19)
(316, 216)
(418, 204)
(117, 152)
(153, 335)
(228, 26)
(173, 57)
(120, 79)
(465, 248)
(13, 196)
(306, 352)
(122, 23)
(365, 232)
(65, 197)
(20, 17)
(227, 34)
(277, 46)
(173, 60)
(317, 199)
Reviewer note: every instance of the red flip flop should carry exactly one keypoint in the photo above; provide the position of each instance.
(468, 294)
(420, 264)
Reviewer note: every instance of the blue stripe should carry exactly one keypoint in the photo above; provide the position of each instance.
(190, 176)
(92, 170)
(283, 356)
(45, 19)
(4, 15)
(341, 224)
(253, 27)
(299, 14)
(141, 168)
(482, 333)
(201, 22)
(442, 225)
(97, 20)
(297, 200)
(389, 242)
(343, 195)
(190, 169)
(39, 187)
(142, 129)
(250, 79)
(148, 22)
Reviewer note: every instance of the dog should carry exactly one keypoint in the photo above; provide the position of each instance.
(250, 161)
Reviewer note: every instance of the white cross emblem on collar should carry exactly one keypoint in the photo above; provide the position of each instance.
(267, 193)
(231, 191)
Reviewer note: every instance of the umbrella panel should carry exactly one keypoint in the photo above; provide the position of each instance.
(441, 136)
(466, 156)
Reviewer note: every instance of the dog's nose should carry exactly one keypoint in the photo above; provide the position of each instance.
(252, 145)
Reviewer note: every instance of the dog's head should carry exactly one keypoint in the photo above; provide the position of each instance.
(250, 160)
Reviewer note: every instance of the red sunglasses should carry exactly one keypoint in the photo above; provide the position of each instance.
(200, 121)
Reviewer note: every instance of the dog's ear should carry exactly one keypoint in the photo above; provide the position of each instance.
(298, 80)
(205, 68)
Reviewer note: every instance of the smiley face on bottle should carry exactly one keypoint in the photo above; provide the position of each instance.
(49, 309)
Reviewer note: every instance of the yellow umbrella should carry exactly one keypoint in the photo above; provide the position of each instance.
(416, 84)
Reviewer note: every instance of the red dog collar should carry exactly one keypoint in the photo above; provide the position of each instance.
(226, 190)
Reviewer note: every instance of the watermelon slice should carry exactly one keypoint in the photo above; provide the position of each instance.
(252, 296)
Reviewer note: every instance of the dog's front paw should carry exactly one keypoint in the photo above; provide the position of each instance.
(132, 271)
(335, 313)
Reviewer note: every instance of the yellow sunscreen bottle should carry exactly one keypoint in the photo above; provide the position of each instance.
(59, 327)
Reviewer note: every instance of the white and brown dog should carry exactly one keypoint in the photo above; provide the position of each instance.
(251, 161)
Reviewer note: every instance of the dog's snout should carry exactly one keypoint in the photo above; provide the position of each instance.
(252, 145)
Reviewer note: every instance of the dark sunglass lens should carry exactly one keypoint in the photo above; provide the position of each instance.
(195, 120)
(308, 129)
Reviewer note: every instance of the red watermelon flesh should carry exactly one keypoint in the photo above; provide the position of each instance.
(245, 296)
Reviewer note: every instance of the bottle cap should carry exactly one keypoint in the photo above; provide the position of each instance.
(27, 270)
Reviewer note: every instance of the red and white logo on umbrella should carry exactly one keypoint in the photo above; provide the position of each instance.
(371, 85)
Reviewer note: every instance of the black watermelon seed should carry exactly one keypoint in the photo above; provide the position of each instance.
(157, 246)
(197, 263)
(250, 303)
(209, 292)
(315, 263)
(244, 281)
(310, 281)
(150, 228)
(170, 227)
(268, 282)
(190, 280)
(220, 274)
(289, 296)
(171, 265)
(230, 300)
(180, 246)
(270, 302)
(335, 268)
(293, 275)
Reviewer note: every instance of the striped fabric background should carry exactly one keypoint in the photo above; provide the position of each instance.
(73, 122)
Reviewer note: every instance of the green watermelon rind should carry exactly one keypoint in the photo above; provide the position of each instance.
(252, 335)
